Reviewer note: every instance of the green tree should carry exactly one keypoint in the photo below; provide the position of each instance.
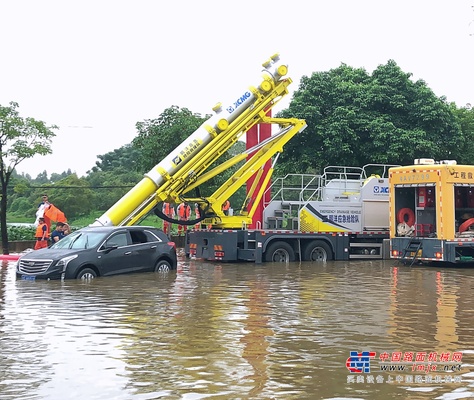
(72, 196)
(41, 178)
(465, 118)
(124, 158)
(114, 175)
(355, 118)
(158, 137)
(19, 191)
(20, 205)
(110, 186)
(56, 177)
(20, 138)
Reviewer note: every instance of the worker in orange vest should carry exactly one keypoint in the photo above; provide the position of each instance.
(198, 215)
(168, 210)
(184, 212)
(225, 207)
(41, 234)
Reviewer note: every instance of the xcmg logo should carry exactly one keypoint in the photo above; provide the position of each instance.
(381, 189)
(238, 102)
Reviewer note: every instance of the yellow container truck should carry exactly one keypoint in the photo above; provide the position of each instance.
(431, 206)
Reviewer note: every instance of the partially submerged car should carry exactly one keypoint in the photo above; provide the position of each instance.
(101, 251)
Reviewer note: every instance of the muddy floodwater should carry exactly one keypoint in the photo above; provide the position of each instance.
(336, 330)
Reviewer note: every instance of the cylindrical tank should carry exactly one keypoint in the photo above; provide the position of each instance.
(422, 197)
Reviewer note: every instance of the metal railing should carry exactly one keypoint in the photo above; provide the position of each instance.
(299, 189)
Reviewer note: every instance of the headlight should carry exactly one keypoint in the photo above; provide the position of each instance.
(63, 262)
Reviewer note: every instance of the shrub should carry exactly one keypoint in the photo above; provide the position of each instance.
(21, 232)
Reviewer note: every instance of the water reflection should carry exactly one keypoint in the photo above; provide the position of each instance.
(229, 331)
(256, 334)
(424, 304)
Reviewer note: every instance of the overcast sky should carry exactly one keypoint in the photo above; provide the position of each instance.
(95, 68)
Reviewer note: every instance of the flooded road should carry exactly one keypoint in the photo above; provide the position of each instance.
(241, 331)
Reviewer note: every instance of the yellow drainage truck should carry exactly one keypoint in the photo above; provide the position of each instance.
(431, 206)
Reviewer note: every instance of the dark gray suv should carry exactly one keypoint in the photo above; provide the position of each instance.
(101, 251)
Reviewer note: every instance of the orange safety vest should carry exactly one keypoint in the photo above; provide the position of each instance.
(226, 205)
(39, 231)
(168, 210)
(184, 211)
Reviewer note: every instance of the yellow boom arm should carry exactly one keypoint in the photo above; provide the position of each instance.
(185, 167)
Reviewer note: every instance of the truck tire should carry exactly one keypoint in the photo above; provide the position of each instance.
(317, 250)
(279, 252)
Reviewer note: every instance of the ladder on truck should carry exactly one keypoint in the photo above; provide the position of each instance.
(294, 191)
(288, 195)
(412, 250)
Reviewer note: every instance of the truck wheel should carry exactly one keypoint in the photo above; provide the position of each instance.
(317, 250)
(279, 252)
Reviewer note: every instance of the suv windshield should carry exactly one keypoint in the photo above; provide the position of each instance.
(80, 240)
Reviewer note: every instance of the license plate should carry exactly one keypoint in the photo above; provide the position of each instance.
(28, 278)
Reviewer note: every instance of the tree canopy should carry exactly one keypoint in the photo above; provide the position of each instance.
(126, 158)
(158, 137)
(356, 118)
(465, 118)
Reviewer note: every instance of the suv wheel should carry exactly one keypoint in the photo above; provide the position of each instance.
(86, 274)
(162, 266)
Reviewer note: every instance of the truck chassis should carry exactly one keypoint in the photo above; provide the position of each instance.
(285, 246)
